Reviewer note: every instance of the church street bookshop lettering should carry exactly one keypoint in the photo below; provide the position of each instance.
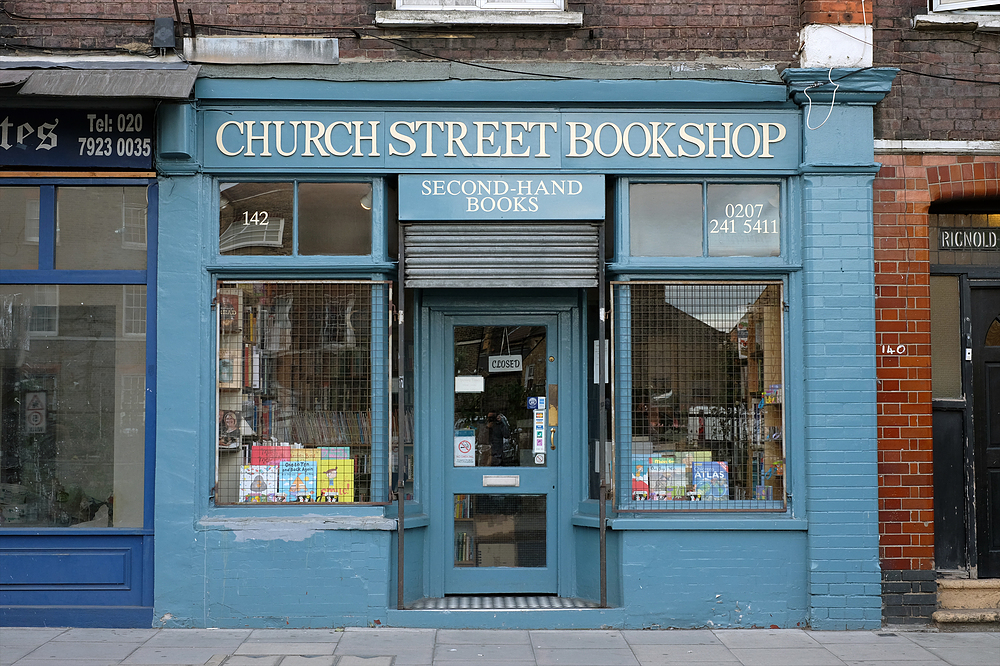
(532, 140)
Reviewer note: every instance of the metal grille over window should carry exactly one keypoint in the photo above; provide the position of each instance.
(297, 418)
(700, 387)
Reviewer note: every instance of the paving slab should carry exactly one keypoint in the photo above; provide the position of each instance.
(483, 636)
(230, 639)
(294, 636)
(470, 653)
(27, 635)
(684, 654)
(101, 635)
(109, 651)
(786, 656)
(967, 656)
(879, 652)
(365, 661)
(174, 655)
(65, 662)
(670, 637)
(856, 637)
(936, 662)
(772, 638)
(249, 648)
(307, 660)
(11, 653)
(244, 660)
(577, 638)
(982, 639)
(584, 657)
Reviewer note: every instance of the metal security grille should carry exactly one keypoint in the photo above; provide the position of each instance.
(700, 387)
(297, 422)
(495, 254)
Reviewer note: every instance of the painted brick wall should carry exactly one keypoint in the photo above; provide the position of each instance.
(840, 415)
(623, 30)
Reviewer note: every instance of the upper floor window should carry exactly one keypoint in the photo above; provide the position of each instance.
(479, 12)
(949, 5)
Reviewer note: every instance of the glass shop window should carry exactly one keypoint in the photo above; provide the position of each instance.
(264, 219)
(298, 420)
(699, 393)
(72, 386)
(705, 219)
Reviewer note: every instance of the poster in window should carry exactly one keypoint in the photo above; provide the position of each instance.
(230, 310)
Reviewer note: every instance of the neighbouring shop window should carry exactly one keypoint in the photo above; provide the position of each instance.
(699, 219)
(19, 228)
(298, 421)
(73, 421)
(73, 356)
(265, 219)
(700, 396)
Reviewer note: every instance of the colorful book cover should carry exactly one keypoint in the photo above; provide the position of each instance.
(335, 480)
(297, 480)
(711, 479)
(305, 454)
(640, 479)
(258, 483)
(261, 454)
(335, 452)
(667, 481)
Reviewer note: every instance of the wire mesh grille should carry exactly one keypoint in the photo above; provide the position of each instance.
(700, 396)
(298, 420)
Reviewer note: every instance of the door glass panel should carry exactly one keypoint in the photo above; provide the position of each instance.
(946, 337)
(499, 530)
(499, 379)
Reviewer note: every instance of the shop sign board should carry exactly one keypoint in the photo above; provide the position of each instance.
(474, 196)
(77, 138)
(503, 140)
(969, 238)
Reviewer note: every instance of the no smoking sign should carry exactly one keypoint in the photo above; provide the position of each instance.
(34, 412)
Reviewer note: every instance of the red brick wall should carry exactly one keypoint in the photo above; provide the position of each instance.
(903, 193)
(613, 30)
(902, 301)
(833, 12)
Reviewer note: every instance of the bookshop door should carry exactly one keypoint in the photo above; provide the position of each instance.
(498, 423)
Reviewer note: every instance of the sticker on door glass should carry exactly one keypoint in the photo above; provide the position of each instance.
(465, 445)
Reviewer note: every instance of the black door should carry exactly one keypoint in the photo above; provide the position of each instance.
(986, 424)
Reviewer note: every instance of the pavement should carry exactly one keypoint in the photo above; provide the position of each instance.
(462, 647)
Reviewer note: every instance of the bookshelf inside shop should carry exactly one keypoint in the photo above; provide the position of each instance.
(294, 397)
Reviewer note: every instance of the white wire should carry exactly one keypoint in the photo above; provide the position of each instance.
(829, 77)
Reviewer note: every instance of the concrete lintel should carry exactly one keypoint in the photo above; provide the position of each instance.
(262, 50)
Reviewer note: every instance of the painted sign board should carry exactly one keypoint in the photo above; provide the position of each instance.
(502, 140)
(77, 138)
(969, 238)
(501, 197)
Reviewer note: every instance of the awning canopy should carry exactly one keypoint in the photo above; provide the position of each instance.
(112, 82)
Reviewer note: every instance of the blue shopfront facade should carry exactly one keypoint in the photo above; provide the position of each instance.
(370, 293)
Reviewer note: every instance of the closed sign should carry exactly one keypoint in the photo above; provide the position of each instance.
(505, 363)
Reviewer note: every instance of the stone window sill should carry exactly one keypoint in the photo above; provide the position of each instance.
(958, 21)
(425, 17)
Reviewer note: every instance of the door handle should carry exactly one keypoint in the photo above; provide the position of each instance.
(552, 438)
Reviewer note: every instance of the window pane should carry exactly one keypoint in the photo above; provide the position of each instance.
(295, 392)
(743, 221)
(702, 387)
(491, 407)
(255, 218)
(335, 218)
(499, 530)
(72, 402)
(946, 337)
(101, 228)
(665, 220)
(18, 228)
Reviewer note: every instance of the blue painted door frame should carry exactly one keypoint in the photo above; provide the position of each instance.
(560, 312)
